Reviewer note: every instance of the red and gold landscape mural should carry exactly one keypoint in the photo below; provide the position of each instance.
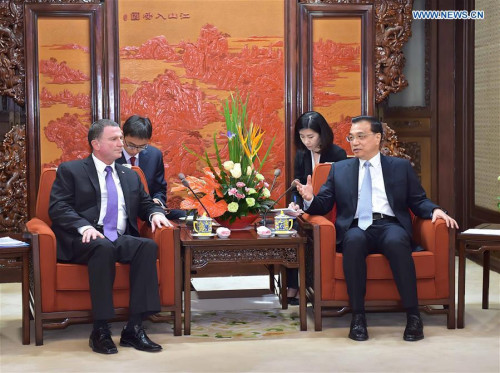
(64, 88)
(180, 60)
(336, 79)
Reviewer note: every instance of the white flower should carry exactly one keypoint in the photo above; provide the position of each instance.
(259, 177)
(228, 165)
(266, 193)
(249, 170)
(236, 170)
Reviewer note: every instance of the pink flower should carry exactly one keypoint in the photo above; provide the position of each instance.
(232, 192)
(266, 184)
(240, 184)
(240, 195)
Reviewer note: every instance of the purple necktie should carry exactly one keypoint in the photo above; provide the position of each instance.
(365, 214)
(111, 218)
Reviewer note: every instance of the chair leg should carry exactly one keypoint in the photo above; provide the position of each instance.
(177, 323)
(38, 330)
(318, 322)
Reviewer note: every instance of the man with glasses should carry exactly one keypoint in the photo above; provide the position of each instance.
(137, 132)
(373, 194)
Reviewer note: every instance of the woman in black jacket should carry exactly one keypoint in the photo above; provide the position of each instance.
(314, 143)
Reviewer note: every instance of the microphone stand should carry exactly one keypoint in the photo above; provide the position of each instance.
(186, 184)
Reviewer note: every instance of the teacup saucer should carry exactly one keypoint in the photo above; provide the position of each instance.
(284, 233)
(203, 236)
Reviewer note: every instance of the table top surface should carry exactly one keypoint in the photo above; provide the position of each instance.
(239, 237)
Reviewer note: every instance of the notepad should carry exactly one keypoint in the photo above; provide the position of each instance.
(487, 232)
(10, 242)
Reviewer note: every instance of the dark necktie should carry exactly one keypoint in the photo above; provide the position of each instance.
(365, 214)
(132, 161)
(110, 220)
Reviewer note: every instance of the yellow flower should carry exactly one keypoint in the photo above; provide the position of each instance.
(250, 201)
(259, 177)
(232, 207)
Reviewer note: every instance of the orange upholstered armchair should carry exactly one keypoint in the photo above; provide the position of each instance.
(326, 287)
(60, 293)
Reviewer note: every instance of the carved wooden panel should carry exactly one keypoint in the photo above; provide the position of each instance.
(13, 186)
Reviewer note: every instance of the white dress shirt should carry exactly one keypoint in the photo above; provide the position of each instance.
(122, 212)
(128, 156)
(380, 203)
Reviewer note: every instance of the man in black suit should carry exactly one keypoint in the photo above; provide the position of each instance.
(373, 194)
(94, 205)
(137, 132)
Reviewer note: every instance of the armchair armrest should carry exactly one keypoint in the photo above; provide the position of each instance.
(168, 241)
(44, 260)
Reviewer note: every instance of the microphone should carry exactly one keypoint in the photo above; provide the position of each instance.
(292, 185)
(277, 173)
(185, 182)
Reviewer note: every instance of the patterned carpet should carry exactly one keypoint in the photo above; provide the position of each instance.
(242, 324)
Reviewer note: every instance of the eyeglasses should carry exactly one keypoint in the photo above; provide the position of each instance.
(135, 147)
(359, 137)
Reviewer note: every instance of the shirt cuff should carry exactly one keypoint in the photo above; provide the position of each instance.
(307, 204)
(153, 214)
(84, 228)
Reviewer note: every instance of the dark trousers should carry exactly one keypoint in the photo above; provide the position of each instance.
(389, 238)
(100, 255)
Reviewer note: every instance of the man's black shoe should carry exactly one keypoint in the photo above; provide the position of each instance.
(292, 301)
(358, 330)
(138, 339)
(414, 330)
(100, 341)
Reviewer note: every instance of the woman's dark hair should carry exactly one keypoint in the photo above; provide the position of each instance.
(316, 122)
(137, 126)
(375, 124)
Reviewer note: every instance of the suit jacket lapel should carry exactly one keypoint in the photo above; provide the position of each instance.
(307, 163)
(124, 185)
(89, 166)
(385, 163)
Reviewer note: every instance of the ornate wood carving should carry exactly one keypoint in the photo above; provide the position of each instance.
(13, 186)
(392, 30)
(235, 254)
(12, 71)
(391, 145)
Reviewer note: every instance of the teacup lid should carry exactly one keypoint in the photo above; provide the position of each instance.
(281, 215)
(204, 217)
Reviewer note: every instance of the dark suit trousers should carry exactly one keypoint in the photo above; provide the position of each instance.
(100, 255)
(390, 239)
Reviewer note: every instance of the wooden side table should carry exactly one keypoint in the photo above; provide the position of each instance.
(475, 243)
(243, 247)
(21, 255)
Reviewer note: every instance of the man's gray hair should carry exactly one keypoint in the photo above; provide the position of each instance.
(96, 128)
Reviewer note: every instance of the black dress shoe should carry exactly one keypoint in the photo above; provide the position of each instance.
(292, 301)
(100, 341)
(138, 339)
(414, 330)
(358, 330)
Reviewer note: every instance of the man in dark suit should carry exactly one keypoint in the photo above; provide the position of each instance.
(137, 132)
(373, 194)
(94, 205)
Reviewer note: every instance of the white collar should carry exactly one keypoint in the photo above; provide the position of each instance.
(374, 161)
(100, 165)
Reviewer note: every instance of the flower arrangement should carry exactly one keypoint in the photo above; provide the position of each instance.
(234, 188)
